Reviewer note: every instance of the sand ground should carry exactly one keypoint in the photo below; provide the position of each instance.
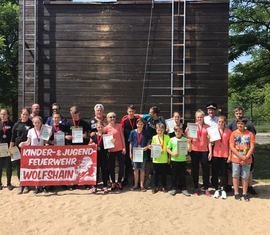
(78, 212)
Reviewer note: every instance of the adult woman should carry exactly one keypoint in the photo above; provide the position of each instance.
(118, 152)
(178, 121)
(5, 137)
(220, 158)
(19, 134)
(99, 117)
(201, 152)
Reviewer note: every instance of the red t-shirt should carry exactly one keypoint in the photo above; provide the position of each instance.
(222, 146)
(116, 132)
(200, 144)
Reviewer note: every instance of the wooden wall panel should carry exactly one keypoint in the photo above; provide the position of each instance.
(91, 53)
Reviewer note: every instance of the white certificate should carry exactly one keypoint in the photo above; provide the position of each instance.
(46, 132)
(182, 147)
(108, 141)
(59, 138)
(170, 123)
(4, 150)
(213, 133)
(156, 151)
(77, 135)
(137, 154)
(192, 130)
(15, 153)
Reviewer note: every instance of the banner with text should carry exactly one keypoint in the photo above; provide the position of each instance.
(58, 165)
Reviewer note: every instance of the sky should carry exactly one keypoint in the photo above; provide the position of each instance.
(241, 59)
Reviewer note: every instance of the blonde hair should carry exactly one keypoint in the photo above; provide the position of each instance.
(38, 118)
(199, 111)
(111, 114)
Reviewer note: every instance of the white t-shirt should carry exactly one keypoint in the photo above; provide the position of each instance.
(35, 137)
(211, 121)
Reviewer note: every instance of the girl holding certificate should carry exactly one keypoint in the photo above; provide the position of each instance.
(5, 137)
(201, 153)
(160, 158)
(117, 152)
(220, 158)
(102, 158)
(34, 139)
(138, 145)
(19, 134)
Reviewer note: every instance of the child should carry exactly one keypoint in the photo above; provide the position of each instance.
(33, 139)
(242, 144)
(178, 162)
(102, 158)
(160, 164)
(220, 158)
(138, 138)
(201, 153)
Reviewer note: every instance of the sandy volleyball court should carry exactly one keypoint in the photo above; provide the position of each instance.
(78, 212)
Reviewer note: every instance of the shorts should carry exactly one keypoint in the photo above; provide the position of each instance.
(139, 165)
(239, 170)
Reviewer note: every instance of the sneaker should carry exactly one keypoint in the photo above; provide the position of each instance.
(105, 190)
(246, 197)
(119, 186)
(154, 190)
(93, 190)
(186, 193)
(26, 189)
(216, 194)
(172, 192)
(251, 190)
(207, 193)
(223, 194)
(196, 192)
(114, 187)
(237, 197)
(21, 190)
(10, 187)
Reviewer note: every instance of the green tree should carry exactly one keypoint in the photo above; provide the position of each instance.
(250, 35)
(9, 18)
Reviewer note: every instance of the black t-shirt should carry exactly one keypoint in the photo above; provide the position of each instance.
(20, 131)
(93, 124)
(129, 125)
(6, 131)
(61, 127)
(82, 124)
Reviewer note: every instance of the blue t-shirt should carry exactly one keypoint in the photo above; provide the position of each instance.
(133, 138)
(151, 124)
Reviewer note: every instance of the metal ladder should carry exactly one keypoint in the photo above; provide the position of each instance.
(175, 99)
(181, 74)
(29, 47)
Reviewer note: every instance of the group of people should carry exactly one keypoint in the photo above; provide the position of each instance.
(227, 159)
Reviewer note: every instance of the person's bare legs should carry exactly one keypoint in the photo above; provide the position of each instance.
(142, 174)
(236, 185)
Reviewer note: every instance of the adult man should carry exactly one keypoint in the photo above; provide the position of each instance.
(35, 109)
(211, 119)
(56, 109)
(239, 114)
(128, 123)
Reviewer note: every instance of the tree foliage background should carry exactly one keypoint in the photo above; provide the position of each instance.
(249, 83)
(9, 18)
